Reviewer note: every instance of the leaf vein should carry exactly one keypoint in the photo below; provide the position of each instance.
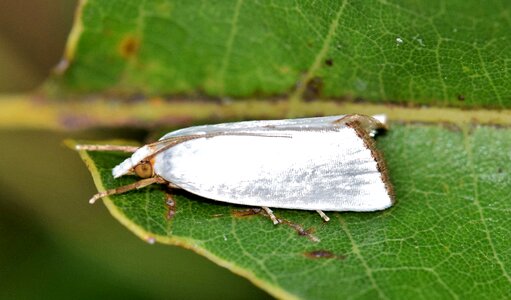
(229, 43)
(477, 203)
(358, 254)
(296, 97)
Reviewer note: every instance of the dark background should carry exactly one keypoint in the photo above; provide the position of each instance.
(53, 243)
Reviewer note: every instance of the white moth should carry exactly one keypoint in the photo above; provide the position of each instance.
(321, 164)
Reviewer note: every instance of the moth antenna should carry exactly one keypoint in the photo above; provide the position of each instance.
(96, 198)
(129, 149)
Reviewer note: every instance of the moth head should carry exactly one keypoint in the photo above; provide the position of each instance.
(129, 164)
(144, 169)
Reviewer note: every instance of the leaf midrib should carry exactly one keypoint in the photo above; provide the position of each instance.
(93, 112)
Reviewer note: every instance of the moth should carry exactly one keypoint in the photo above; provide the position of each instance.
(320, 164)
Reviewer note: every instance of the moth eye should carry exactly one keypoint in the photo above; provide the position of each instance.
(144, 170)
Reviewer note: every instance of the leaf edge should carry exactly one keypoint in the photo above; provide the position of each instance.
(183, 242)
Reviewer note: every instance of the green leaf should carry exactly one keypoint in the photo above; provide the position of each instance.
(446, 237)
(441, 52)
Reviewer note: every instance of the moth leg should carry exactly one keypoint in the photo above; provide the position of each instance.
(270, 213)
(323, 215)
(129, 149)
(126, 188)
(173, 186)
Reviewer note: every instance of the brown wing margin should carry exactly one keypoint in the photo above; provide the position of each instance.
(362, 124)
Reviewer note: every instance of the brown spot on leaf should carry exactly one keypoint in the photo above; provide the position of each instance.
(329, 62)
(320, 254)
(129, 46)
(323, 254)
(313, 89)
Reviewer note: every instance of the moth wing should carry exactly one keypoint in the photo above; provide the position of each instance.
(294, 124)
(265, 128)
(143, 153)
(331, 169)
(254, 126)
(234, 127)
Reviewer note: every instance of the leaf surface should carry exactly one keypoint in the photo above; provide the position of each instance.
(446, 237)
(435, 52)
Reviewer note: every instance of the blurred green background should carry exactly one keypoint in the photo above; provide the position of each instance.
(53, 243)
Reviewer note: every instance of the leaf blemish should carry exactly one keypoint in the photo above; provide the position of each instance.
(313, 88)
(329, 62)
(171, 206)
(323, 254)
(129, 46)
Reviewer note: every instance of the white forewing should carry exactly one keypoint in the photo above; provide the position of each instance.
(235, 127)
(302, 164)
(295, 124)
(302, 123)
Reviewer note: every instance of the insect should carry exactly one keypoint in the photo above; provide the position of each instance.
(320, 164)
